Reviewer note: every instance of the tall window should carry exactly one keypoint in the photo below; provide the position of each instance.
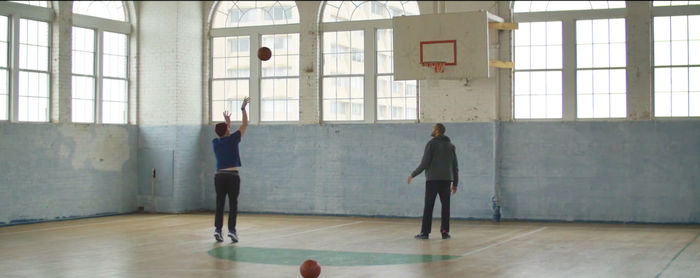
(358, 74)
(100, 62)
(236, 71)
(343, 75)
(676, 61)
(83, 68)
(600, 64)
(538, 71)
(279, 86)
(594, 82)
(33, 70)
(231, 75)
(4, 70)
(24, 61)
(396, 100)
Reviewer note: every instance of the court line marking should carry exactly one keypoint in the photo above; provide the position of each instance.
(307, 231)
(501, 242)
(453, 223)
(83, 225)
(677, 255)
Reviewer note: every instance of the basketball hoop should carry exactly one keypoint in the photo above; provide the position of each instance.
(437, 66)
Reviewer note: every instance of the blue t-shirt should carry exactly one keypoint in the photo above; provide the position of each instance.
(226, 150)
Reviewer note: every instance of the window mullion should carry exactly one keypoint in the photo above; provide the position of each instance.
(98, 75)
(569, 69)
(13, 21)
(370, 76)
(255, 73)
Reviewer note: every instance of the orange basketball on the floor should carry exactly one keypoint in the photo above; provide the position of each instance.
(310, 269)
(264, 53)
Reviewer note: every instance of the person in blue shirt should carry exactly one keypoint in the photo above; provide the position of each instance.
(226, 179)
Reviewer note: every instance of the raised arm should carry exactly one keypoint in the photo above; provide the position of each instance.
(244, 123)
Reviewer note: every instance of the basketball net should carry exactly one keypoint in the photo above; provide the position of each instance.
(437, 66)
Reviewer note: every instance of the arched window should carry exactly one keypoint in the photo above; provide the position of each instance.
(359, 74)
(43, 4)
(676, 58)
(100, 50)
(113, 10)
(24, 60)
(545, 83)
(550, 6)
(236, 72)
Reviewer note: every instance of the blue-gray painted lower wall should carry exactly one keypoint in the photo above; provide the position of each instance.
(354, 169)
(51, 172)
(565, 171)
(601, 171)
(175, 154)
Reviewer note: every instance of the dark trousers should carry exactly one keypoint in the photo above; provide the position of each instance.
(432, 189)
(226, 183)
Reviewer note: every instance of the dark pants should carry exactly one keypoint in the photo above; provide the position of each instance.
(432, 189)
(227, 183)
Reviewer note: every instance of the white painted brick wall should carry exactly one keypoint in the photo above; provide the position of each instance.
(61, 64)
(170, 63)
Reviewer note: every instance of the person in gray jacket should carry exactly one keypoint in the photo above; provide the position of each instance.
(440, 165)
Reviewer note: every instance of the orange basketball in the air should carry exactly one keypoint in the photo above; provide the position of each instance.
(310, 269)
(264, 53)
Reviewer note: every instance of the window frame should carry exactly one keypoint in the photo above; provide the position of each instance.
(255, 34)
(274, 77)
(369, 27)
(101, 25)
(666, 11)
(14, 12)
(569, 66)
(546, 70)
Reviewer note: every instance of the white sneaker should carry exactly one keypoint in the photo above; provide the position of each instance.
(218, 237)
(233, 236)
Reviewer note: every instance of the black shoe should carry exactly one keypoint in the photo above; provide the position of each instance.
(421, 236)
(445, 235)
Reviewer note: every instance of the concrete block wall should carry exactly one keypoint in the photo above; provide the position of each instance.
(170, 102)
(644, 171)
(585, 171)
(53, 172)
(353, 169)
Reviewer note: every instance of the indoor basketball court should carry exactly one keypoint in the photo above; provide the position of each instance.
(158, 245)
(349, 139)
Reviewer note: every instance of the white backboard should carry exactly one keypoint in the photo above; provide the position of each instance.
(459, 39)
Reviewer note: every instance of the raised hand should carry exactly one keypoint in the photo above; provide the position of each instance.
(227, 117)
(245, 102)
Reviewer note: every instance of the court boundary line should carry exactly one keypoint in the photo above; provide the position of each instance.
(83, 225)
(677, 255)
(307, 231)
(502, 242)
(402, 222)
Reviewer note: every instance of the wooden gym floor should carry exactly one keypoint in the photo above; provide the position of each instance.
(182, 245)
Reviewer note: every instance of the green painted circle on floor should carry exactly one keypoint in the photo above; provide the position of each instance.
(281, 256)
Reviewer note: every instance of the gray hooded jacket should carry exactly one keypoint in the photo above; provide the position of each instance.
(439, 160)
